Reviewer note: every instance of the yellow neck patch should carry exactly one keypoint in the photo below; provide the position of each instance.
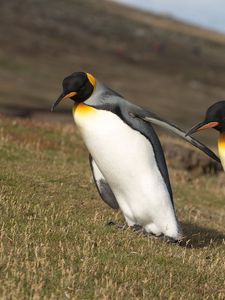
(221, 148)
(82, 109)
(221, 142)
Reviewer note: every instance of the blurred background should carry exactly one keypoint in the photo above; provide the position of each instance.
(142, 49)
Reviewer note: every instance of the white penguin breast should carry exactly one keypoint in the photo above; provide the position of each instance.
(127, 161)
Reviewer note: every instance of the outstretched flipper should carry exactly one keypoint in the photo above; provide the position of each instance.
(154, 119)
(102, 186)
(127, 110)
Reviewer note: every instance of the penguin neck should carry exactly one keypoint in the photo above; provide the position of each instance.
(221, 148)
(96, 97)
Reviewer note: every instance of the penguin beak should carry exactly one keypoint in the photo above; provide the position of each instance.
(201, 126)
(63, 96)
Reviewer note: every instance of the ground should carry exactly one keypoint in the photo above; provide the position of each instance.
(54, 241)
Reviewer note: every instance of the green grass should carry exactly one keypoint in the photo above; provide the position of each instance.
(54, 243)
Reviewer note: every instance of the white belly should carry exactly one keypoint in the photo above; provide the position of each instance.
(127, 161)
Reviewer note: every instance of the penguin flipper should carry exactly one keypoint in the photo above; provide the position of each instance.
(102, 186)
(154, 119)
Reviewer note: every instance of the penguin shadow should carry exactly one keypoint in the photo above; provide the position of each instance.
(196, 236)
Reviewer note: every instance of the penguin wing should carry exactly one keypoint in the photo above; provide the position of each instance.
(154, 119)
(110, 100)
(147, 130)
(102, 186)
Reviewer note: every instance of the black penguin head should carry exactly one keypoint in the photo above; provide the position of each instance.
(78, 86)
(214, 118)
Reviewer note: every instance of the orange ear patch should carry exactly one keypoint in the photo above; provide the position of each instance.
(91, 79)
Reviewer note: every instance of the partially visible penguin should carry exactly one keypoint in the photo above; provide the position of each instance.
(214, 118)
(126, 157)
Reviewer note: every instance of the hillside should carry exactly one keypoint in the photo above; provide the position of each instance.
(172, 68)
(55, 243)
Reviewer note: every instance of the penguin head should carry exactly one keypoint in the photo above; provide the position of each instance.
(78, 87)
(214, 118)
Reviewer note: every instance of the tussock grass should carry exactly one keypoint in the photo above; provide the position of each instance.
(54, 243)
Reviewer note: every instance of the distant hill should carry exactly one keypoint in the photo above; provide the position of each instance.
(170, 67)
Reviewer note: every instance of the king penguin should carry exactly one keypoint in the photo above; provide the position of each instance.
(126, 157)
(214, 118)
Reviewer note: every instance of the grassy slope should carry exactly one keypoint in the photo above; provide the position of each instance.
(54, 241)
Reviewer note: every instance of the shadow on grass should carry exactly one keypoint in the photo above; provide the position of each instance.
(200, 237)
(195, 236)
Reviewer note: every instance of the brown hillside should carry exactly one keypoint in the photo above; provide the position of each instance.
(172, 68)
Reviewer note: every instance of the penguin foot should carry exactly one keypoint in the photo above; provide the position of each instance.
(168, 239)
(138, 228)
(119, 226)
(141, 230)
(163, 238)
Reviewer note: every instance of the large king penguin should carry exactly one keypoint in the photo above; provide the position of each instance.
(126, 156)
(214, 118)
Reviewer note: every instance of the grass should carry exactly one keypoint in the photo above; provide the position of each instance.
(54, 243)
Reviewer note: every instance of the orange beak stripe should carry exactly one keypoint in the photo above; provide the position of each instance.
(209, 125)
(71, 94)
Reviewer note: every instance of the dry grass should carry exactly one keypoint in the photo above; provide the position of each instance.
(54, 243)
